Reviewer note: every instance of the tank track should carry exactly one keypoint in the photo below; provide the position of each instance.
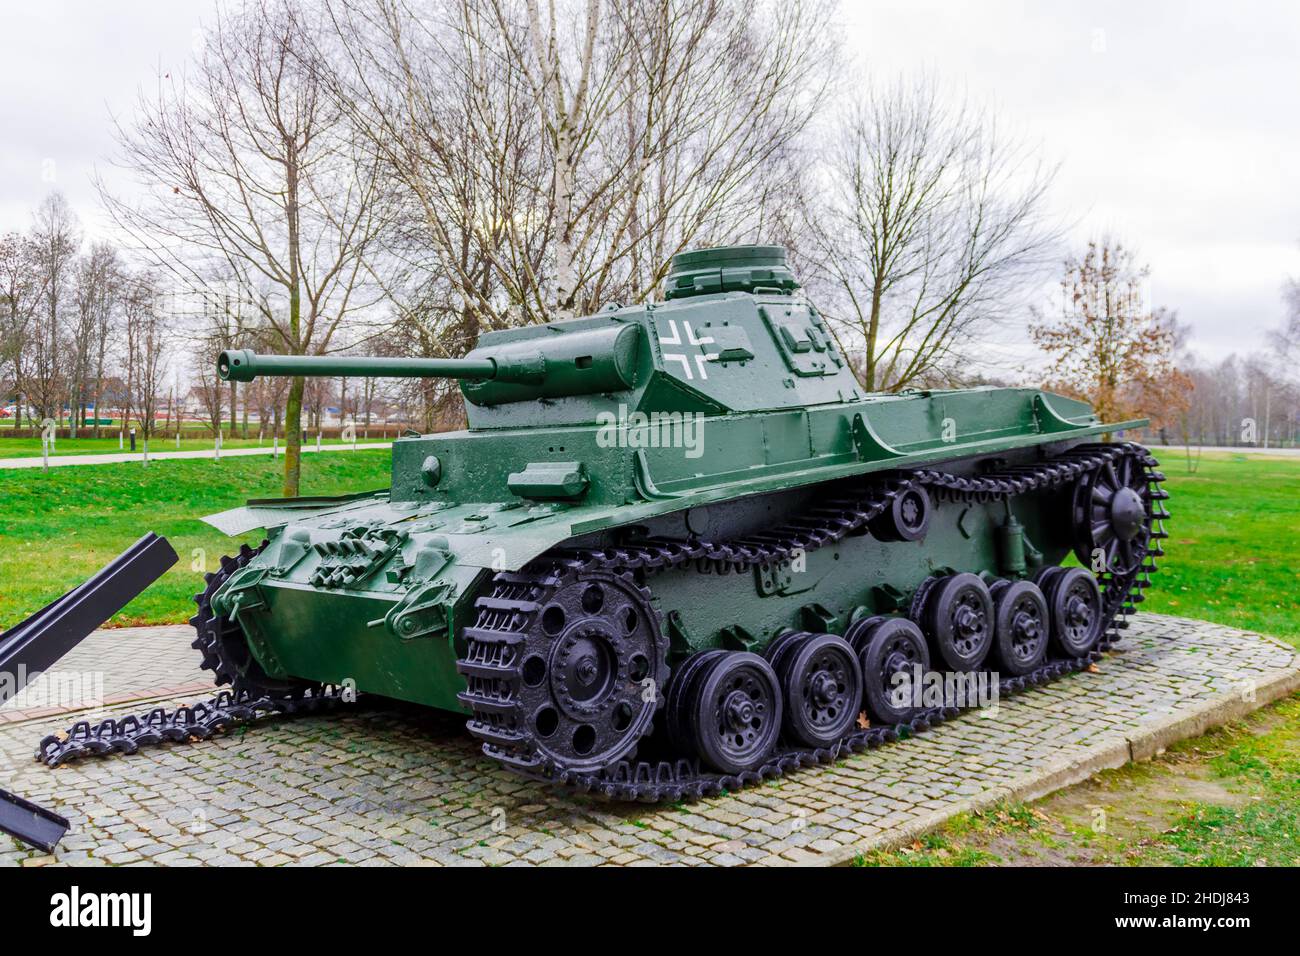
(189, 723)
(192, 722)
(507, 610)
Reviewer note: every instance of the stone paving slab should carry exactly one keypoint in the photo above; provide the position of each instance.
(380, 787)
(110, 666)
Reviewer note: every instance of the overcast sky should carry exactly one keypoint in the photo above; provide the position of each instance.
(1177, 123)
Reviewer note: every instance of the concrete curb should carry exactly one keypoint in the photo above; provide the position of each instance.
(1154, 740)
(1137, 747)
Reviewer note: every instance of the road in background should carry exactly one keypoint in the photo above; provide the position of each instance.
(61, 460)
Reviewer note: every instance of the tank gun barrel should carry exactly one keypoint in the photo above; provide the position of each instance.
(244, 365)
(588, 361)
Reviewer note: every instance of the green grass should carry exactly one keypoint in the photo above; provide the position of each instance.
(1233, 554)
(59, 527)
(1228, 798)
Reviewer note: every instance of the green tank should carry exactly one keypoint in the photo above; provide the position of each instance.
(680, 550)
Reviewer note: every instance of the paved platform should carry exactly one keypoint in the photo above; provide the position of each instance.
(376, 787)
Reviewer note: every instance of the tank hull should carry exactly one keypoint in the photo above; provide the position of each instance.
(751, 471)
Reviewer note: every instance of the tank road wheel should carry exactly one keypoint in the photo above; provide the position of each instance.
(1112, 516)
(822, 685)
(574, 680)
(1077, 613)
(958, 616)
(725, 707)
(225, 647)
(1021, 625)
(889, 647)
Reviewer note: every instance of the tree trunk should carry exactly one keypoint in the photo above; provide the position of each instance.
(293, 438)
(565, 275)
(293, 411)
(873, 333)
(99, 397)
(233, 402)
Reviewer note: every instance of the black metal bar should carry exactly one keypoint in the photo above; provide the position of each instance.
(31, 647)
(31, 822)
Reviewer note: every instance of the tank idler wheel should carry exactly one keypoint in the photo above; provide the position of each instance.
(906, 519)
(822, 686)
(1112, 514)
(726, 710)
(1021, 626)
(893, 656)
(958, 617)
(1075, 603)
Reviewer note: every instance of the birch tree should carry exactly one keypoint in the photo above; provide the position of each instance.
(556, 153)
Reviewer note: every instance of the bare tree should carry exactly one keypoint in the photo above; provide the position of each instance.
(97, 288)
(146, 350)
(926, 224)
(369, 393)
(555, 155)
(20, 291)
(254, 178)
(208, 389)
(56, 239)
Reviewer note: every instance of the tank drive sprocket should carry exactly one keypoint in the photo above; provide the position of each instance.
(222, 643)
(564, 668)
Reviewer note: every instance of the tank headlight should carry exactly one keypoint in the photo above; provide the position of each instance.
(431, 471)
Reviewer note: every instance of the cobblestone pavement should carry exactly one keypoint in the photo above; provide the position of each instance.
(128, 663)
(377, 787)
